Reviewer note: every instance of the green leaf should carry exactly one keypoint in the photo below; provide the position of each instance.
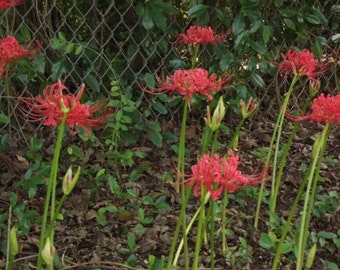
(257, 80)
(61, 36)
(266, 241)
(238, 24)
(310, 257)
(226, 60)
(58, 69)
(316, 17)
(259, 47)
(153, 125)
(335, 8)
(149, 78)
(147, 20)
(158, 18)
(266, 32)
(25, 33)
(336, 38)
(165, 7)
(159, 107)
(131, 241)
(155, 137)
(290, 24)
(316, 48)
(197, 10)
(92, 82)
(4, 119)
(140, 10)
(78, 49)
(69, 48)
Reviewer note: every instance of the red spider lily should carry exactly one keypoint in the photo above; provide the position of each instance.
(4, 4)
(301, 63)
(11, 51)
(324, 109)
(216, 174)
(192, 81)
(50, 108)
(200, 35)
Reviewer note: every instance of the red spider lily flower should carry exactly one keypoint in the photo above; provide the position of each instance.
(216, 174)
(50, 108)
(200, 35)
(192, 81)
(4, 4)
(324, 109)
(11, 51)
(301, 63)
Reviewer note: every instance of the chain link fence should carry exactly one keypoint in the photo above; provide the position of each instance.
(98, 42)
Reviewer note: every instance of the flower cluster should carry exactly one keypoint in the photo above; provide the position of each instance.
(301, 63)
(4, 4)
(11, 51)
(189, 82)
(216, 174)
(51, 107)
(200, 35)
(324, 109)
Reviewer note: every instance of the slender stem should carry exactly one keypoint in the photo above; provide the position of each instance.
(224, 222)
(50, 185)
(320, 146)
(212, 234)
(277, 144)
(206, 139)
(201, 221)
(180, 246)
(56, 213)
(194, 57)
(292, 211)
(180, 183)
(275, 138)
(233, 143)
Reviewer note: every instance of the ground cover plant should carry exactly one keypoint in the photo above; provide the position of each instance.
(183, 166)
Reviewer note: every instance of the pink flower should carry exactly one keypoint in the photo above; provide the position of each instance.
(216, 174)
(190, 82)
(200, 35)
(324, 109)
(301, 63)
(4, 4)
(50, 108)
(11, 51)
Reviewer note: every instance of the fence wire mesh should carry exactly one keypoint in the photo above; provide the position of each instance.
(97, 42)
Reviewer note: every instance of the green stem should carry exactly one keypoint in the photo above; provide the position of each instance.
(234, 141)
(224, 223)
(51, 184)
(180, 246)
(206, 139)
(212, 234)
(275, 139)
(194, 57)
(286, 151)
(277, 145)
(318, 152)
(199, 237)
(56, 213)
(180, 183)
(286, 226)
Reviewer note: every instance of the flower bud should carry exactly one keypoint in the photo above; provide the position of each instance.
(219, 113)
(48, 252)
(314, 87)
(247, 110)
(64, 109)
(13, 242)
(70, 181)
